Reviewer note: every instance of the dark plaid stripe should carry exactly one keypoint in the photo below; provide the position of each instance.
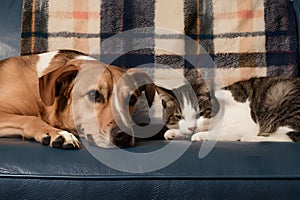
(34, 37)
(27, 16)
(111, 17)
(173, 61)
(240, 60)
(199, 22)
(296, 5)
(281, 40)
(73, 35)
(26, 27)
(138, 14)
(111, 23)
(118, 16)
(200, 11)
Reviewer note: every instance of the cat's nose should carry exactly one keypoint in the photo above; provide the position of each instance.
(193, 128)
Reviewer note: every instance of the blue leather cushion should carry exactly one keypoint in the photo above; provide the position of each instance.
(231, 169)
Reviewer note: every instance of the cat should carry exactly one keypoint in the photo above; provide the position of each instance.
(181, 109)
(258, 109)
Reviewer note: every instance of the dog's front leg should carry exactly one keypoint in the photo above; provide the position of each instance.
(31, 127)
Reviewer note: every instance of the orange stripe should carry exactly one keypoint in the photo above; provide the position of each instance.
(198, 23)
(240, 14)
(74, 14)
(245, 14)
(32, 26)
(80, 15)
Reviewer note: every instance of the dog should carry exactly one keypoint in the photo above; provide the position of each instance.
(55, 96)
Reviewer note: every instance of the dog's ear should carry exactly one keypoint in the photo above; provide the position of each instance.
(149, 93)
(52, 83)
(147, 85)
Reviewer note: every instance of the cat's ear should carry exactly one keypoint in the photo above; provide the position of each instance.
(166, 95)
(206, 94)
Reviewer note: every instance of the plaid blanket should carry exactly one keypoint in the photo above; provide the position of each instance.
(244, 38)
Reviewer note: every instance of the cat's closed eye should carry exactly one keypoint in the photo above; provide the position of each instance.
(179, 117)
(164, 104)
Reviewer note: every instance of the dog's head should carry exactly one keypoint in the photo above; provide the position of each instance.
(96, 99)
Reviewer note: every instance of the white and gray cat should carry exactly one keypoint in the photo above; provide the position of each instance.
(259, 109)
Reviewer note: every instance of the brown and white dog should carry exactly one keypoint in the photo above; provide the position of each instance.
(52, 97)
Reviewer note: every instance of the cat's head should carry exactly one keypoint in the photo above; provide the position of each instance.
(185, 106)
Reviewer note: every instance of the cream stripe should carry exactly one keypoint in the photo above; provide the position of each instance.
(81, 25)
(227, 76)
(94, 26)
(169, 20)
(60, 25)
(169, 15)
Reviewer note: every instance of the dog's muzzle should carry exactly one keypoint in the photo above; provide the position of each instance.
(120, 138)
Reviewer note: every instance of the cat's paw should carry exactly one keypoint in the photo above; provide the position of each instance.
(200, 136)
(171, 134)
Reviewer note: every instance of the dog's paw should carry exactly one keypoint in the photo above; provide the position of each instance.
(65, 140)
(46, 139)
(200, 136)
(171, 134)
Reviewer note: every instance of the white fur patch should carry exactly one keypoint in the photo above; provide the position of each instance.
(44, 61)
(189, 120)
(69, 138)
(46, 58)
(231, 123)
(85, 58)
(280, 135)
(200, 136)
(203, 124)
(234, 122)
(174, 134)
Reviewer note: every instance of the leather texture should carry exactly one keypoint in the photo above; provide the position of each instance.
(231, 169)
(227, 160)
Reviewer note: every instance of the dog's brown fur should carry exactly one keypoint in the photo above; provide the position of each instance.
(40, 106)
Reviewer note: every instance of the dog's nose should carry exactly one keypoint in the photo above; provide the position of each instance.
(120, 138)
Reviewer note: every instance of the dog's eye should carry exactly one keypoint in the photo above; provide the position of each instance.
(132, 100)
(95, 96)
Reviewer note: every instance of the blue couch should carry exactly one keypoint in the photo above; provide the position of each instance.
(232, 170)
